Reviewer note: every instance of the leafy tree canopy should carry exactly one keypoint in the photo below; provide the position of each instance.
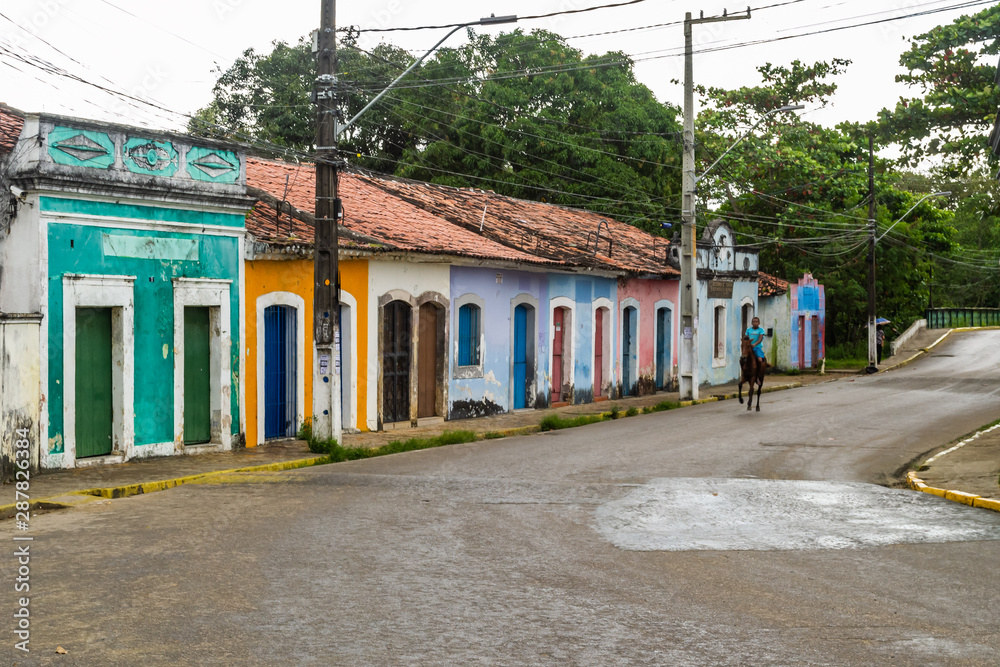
(954, 67)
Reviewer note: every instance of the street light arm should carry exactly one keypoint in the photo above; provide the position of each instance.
(748, 133)
(933, 194)
(490, 20)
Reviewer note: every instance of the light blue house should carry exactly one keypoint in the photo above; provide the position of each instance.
(727, 301)
(128, 244)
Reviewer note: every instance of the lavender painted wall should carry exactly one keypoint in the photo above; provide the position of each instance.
(488, 390)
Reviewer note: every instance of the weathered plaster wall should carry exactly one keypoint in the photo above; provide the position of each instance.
(712, 371)
(808, 300)
(77, 244)
(649, 293)
(296, 276)
(20, 397)
(20, 257)
(581, 291)
(775, 314)
(401, 277)
(500, 289)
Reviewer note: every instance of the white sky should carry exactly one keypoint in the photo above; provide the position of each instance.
(165, 51)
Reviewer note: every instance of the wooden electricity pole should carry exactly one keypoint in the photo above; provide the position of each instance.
(326, 294)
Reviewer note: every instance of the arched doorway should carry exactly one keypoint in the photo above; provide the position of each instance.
(396, 323)
(629, 349)
(524, 356)
(280, 372)
(664, 326)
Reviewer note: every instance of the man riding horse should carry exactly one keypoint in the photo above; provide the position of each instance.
(756, 335)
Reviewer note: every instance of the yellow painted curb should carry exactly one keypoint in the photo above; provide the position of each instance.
(941, 493)
(127, 490)
(987, 503)
(961, 497)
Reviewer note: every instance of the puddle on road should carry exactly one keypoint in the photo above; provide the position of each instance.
(693, 514)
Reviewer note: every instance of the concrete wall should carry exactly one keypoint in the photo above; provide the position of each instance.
(21, 247)
(477, 392)
(20, 394)
(651, 295)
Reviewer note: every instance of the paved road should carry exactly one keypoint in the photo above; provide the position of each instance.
(702, 536)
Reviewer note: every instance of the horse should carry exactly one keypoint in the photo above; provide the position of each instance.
(751, 371)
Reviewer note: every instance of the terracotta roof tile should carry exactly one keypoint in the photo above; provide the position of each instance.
(11, 122)
(556, 232)
(368, 210)
(768, 285)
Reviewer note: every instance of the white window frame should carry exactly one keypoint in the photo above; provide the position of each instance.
(719, 360)
(117, 293)
(465, 372)
(213, 294)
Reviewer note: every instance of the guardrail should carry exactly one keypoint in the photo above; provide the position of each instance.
(950, 318)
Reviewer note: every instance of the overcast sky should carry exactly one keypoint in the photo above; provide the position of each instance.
(165, 51)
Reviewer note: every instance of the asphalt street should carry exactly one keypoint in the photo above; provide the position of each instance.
(703, 536)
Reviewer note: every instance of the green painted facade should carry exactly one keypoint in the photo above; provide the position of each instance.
(80, 249)
(81, 148)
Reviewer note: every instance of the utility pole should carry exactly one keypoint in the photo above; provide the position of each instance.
(326, 289)
(872, 358)
(689, 257)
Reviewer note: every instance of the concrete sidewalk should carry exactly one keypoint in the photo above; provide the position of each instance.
(961, 471)
(66, 488)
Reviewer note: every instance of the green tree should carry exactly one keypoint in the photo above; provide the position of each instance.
(799, 191)
(532, 118)
(953, 117)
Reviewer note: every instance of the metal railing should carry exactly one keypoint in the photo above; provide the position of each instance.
(949, 318)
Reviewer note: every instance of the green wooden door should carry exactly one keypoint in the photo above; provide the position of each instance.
(197, 378)
(93, 382)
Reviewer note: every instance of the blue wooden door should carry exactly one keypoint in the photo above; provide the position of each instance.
(279, 372)
(663, 342)
(520, 357)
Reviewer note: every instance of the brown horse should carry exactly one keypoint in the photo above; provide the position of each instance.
(751, 371)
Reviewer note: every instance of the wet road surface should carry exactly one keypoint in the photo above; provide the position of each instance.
(600, 545)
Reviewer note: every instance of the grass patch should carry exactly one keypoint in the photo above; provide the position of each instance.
(661, 406)
(555, 422)
(492, 435)
(842, 364)
(632, 412)
(336, 452)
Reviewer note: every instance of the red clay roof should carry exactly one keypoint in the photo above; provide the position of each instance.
(11, 122)
(368, 210)
(768, 285)
(556, 232)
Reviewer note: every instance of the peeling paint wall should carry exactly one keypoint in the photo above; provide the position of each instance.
(651, 295)
(775, 314)
(76, 245)
(20, 397)
(581, 291)
(711, 369)
(489, 390)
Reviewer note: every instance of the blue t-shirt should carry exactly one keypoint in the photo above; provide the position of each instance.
(754, 335)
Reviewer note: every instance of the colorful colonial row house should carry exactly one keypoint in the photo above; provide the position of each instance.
(122, 254)
(156, 298)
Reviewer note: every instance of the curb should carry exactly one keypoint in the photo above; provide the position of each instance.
(85, 496)
(970, 499)
(765, 390)
(924, 350)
